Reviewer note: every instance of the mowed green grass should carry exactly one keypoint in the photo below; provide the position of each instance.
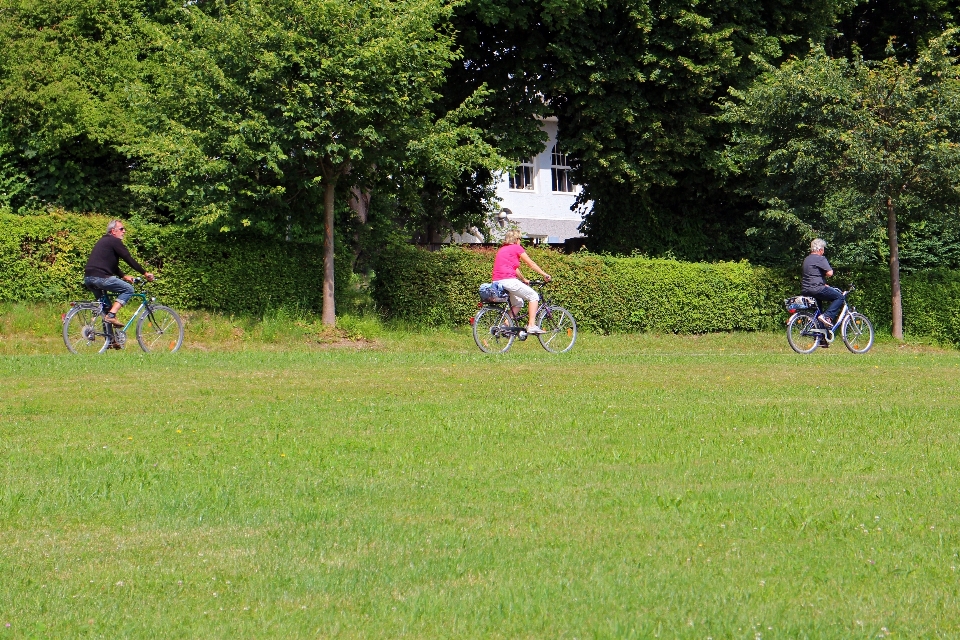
(642, 486)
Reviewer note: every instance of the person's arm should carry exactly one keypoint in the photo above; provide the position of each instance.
(828, 269)
(533, 265)
(124, 253)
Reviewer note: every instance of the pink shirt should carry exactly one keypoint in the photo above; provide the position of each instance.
(507, 260)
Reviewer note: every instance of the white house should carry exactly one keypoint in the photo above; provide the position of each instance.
(538, 196)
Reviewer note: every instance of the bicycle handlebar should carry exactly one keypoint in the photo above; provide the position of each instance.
(539, 283)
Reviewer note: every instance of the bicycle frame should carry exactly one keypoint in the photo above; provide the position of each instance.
(829, 333)
(143, 308)
(518, 329)
(102, 305)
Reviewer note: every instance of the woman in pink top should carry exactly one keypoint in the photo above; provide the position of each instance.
(506, 271)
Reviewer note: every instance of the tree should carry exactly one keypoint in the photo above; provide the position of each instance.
(910, 24)
(260, 112)
(839, 148)
(63, 68)
(634, 85)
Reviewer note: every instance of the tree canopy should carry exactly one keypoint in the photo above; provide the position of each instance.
(634, 85)
(839, 148)
(272, 114)
(257, 112)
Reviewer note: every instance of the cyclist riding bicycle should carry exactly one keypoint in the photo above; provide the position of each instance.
(812, 282)
(103, 269)
(506, 272)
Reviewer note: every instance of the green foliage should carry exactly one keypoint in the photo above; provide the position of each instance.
(616, 295)
(254, 107)
(634, 84)
(42, 258)
(873, 26)
(824, 143)
(931, 300)
(604, 293)
(64, 70)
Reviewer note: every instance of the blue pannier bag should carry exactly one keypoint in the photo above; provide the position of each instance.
(492, 292)
(799, 303)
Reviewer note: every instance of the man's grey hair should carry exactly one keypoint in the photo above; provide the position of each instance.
(817, 245)
(112, 225)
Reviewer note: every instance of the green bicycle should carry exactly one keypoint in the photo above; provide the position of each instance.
(158, 328)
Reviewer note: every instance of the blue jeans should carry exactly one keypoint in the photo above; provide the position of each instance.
(113, 284)
(834, 297)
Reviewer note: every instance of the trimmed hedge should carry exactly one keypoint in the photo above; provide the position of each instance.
(608, 294)
(42, 258)
(604, 293)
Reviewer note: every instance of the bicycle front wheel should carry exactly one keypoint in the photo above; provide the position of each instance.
(560, 329)
(799, 334)
(160, 329)
(857, 333)
(488, 332)
(80, 332)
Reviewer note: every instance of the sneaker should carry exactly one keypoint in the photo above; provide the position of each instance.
(534, 331)
(112, 320)
(824, 344)
(825, 320)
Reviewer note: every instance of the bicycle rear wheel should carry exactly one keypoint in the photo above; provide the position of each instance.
(799, 335)
(857, 333)
(488, 331)
(160, 329)
(80, 332)
(560, 329)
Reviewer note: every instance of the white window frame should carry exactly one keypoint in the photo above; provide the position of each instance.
(560, 172)
(528, 167)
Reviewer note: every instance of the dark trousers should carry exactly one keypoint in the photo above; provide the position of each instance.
(831, 298)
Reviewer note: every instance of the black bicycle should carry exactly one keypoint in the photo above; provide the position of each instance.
(158, 328)
(495, 327)
(805, 332)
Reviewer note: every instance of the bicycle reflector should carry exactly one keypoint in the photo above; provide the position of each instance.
(471, 319)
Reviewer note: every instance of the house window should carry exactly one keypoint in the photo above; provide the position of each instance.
(560, 170)
(522, 176)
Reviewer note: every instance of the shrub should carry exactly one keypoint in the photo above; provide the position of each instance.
(604, 293)
(42, 258)
(609, 294)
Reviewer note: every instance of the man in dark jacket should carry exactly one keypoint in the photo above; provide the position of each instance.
(103, 269)
(812, 282)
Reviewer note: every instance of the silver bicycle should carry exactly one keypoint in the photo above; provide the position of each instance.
(805, 332)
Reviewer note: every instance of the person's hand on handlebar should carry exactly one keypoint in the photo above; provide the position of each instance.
(149, 276)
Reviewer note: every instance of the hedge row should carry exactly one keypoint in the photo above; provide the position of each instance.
(42, 258)
(608, 294)
(605, 294)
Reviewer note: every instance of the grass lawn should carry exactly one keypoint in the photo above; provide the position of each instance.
(641, 486)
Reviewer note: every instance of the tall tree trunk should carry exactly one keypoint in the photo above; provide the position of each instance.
(360, 203)
(329, 313)
(894, 271)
